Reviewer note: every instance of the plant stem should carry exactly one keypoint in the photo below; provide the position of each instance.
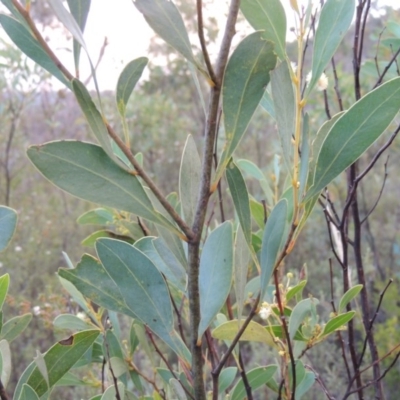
(204, 196)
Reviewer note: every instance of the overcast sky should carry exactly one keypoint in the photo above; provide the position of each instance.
(128, 35)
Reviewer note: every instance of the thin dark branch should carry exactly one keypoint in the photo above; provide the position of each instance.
(200, 29)
(103, 371)
(227, 354)
(152, 186)
(246, 382)
(379, 194)
(219, 187)
(320, 381)
(160, 353)
(114, 378)
(326, 102)
(101, 55)
(386, 69)
(331, 281)
(42, 42)
(373, 382)
(286, 331)
(378, 154)
(371, 322)
(178, 315)
(3, 393)
(210, 344)
(280, 389)
(362, 33)
(336, 86)
(377, 50)
(395, 61)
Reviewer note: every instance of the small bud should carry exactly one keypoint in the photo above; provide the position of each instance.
(289, 275)
(265, 311)
(322, 83)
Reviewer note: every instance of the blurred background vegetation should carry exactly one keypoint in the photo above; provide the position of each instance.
(164, 110)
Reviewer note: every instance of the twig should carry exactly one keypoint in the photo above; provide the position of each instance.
(286, 331)
(371, 323)
(246, 383)
(114, 378)
(200, 28)
(178, 315)
(217, 370)
(101, 55)
(336, 86)
(320, 381)
(379, 194)
(386, 69)
(378, 154)
(219, 186)
(331, 281)
(3, 393)
(377, 50)
(152, 186)
(349, 393)
(25, 14)
(326, 102)
(160, 353)
(146, 378)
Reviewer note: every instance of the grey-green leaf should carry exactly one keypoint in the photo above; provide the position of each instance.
(305, 157)
(337, 322)
(246, 77)
(257, 377)
(189, 179)
(60, 358)
(85, 171)
(25, 41)
(242, 258)
(94, 119)
(68, 21)
(349, 296)
(72, 322)
(175, 270)
(215, 279)
(127, 81)
(226, 378)
(335, 20)
(4, 285)
(8, 223)
(284, 106)
(15, 326)
(267, 16)
(177, 390)
(27, 393)
(240, 197)
(305, 385)
(267, 103)
(273, 240)
(165, 19)
(299, 312)
(354, 132)
(14, 11)
(318, 142)
(126, 281)
(79, 10)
